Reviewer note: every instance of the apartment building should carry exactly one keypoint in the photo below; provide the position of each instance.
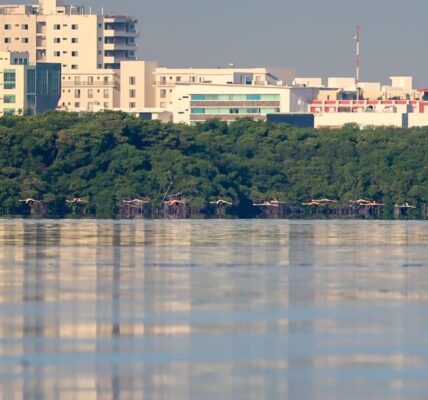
(89, 47)
(79, 40)
(27, 88)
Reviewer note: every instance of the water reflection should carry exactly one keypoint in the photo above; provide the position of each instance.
(213, 309)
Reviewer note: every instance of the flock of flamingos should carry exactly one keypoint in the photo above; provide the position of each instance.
(219, 203)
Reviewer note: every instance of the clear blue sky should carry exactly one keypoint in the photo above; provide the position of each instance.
(313, 36)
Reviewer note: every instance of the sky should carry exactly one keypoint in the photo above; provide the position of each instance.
(316, 37)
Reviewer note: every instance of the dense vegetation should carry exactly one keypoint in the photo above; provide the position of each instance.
(107, 157)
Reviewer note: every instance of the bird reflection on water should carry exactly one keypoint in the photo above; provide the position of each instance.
(213, 309)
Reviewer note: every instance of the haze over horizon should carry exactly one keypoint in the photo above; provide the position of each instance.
(315, 38)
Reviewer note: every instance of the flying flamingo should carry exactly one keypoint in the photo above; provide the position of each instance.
(29, 201)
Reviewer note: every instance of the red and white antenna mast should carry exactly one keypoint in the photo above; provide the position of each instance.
(357, 57)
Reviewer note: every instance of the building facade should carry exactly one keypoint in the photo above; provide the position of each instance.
(166, 79)
(27, 88)
(69, 35)
(195, 102)
(90, 48)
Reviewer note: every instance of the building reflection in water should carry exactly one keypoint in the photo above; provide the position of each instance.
(212, 309)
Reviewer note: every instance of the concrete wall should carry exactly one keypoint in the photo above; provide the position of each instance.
(136, 84)
(341, 82)
(418, 120)
(90, 91)
(79, 56)
(313, 82)
(337, 120)
(18, 34)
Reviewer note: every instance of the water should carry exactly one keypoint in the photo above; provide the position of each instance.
(213, 310)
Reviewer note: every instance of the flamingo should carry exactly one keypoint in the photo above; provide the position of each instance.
(221, 202)
(265, 204)
(136, 201)
(312, 204)
(29, 201)
(77, 200)
(173, 203)
(325, 200)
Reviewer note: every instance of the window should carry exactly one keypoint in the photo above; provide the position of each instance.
(77, 80)
(77, 93)
(7, 27)
(74, 54)
(57, 53)
(106, 79)
(31, 81)
(9, 79)
(105, 105)
(57, 27)
(31, 100)
(74, 40)
(106, 93)
(178, 78)
(57, 40)
(74, 27)
(90, 93)
(9, 98)
(74, 66)
(25, 27)
(132, 80)
(131, 105)
(77, 105)
(163, 80)
(7, 40)
(162, 93)
(132, 93)
(163, 105)
(90, 80)
(192, 79)
(9, 111)
(24, 40)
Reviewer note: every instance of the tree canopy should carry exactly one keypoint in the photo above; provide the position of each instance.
(109, 156)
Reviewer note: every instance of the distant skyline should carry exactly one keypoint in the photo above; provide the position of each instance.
(314, 37)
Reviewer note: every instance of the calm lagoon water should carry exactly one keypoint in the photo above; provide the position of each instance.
(213, 309)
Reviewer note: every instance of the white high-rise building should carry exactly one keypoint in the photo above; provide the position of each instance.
(68, 34)
(88, 46)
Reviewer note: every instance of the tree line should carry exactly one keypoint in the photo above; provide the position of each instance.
(111, 156)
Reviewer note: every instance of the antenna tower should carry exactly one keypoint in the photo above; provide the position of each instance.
(357, 58)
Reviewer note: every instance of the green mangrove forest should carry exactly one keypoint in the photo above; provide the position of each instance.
(90, 164)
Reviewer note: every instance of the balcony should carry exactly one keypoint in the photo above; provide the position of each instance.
(98, 84)
(120, 46)
(120, 33)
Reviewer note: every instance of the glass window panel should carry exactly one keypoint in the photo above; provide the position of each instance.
(9, 98)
